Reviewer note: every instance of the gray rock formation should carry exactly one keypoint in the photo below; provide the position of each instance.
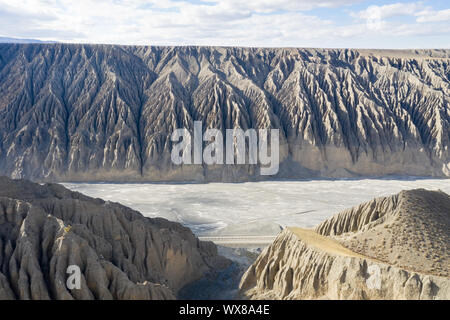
(349, 255)
(100, 112)
(121, 254)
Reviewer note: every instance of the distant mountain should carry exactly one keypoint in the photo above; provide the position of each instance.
(18, 40)
(106, 112)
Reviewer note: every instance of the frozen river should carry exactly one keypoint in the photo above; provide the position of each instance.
(252, 208)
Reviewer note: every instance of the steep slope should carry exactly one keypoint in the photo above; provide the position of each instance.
(99, 112)
(410, 230)
(349, 256)
(44, 229)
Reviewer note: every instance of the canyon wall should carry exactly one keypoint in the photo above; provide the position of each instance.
(106, 112)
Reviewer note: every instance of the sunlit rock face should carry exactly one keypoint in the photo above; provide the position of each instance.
(102, 112)
(45, 229)
(392, 247)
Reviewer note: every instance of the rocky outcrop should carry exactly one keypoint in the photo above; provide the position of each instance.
(44, 229)
(409, 230)
(292, 269)
(101, 112)
(349, 256)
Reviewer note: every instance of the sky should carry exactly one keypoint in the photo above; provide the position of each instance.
(257, 23)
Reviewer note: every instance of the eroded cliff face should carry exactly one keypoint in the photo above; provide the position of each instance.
(395, 247)
(99, 112)
(294, 269)
(409, 230)
(121, 254)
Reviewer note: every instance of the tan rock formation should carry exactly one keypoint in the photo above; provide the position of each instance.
(307, 264)
(121, 254)
(410, 230)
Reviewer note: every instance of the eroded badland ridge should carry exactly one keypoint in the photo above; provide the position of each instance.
(45, 229)
(393, 247)
(106, 112)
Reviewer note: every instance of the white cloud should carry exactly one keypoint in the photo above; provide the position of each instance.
(433, 16)
(174, 22)
(266, 6)
(376, 16)
(214, 22)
